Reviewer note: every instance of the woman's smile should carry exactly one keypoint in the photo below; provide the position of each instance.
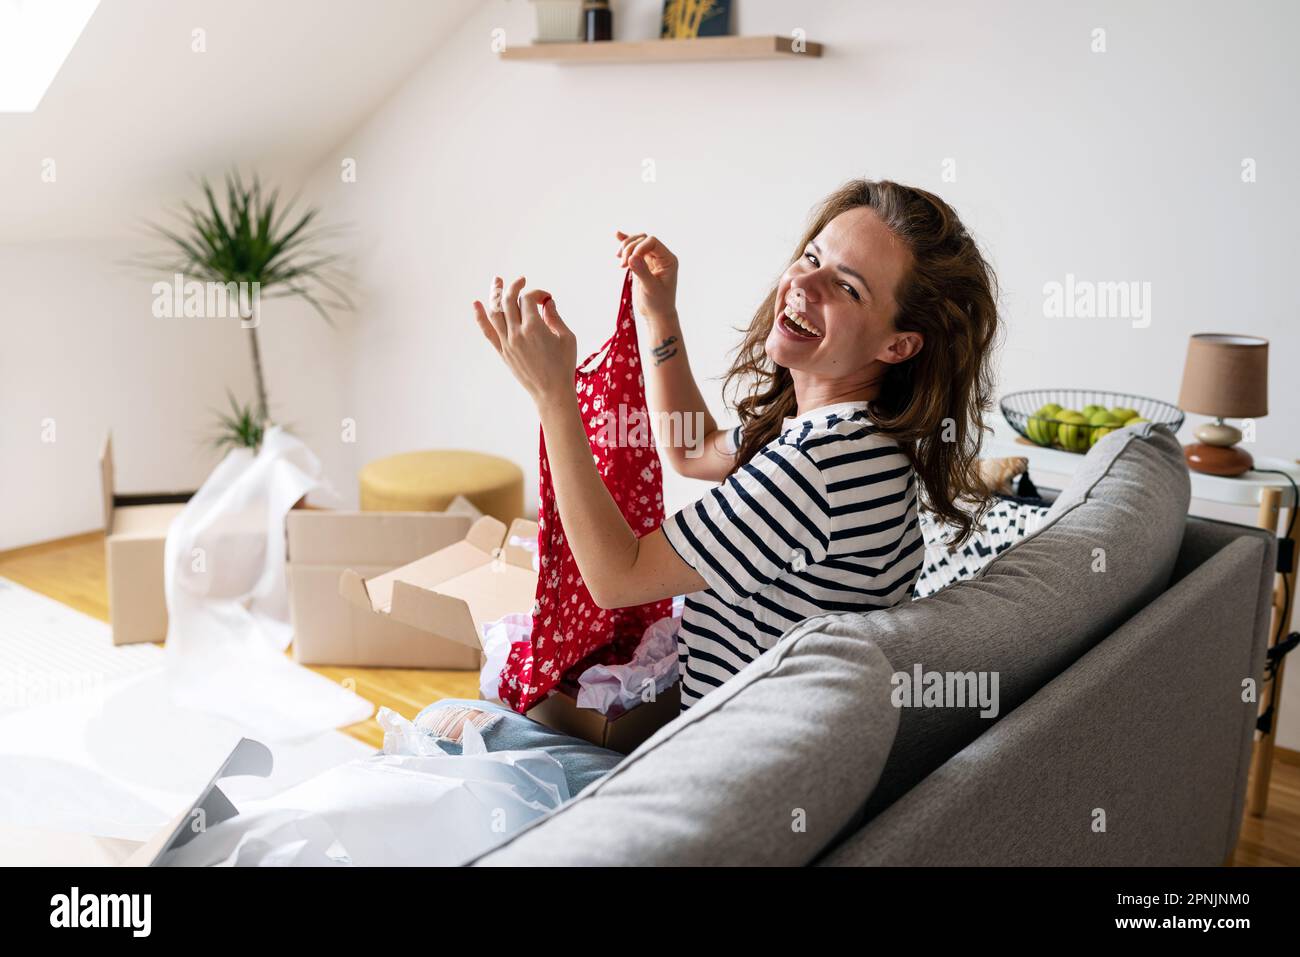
(796, 324)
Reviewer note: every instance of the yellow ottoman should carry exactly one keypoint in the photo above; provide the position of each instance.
(428, 481)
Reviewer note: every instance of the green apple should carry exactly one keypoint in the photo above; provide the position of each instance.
(1041, 428)
(1098, 433)
(1073, 431)
(1102, 423)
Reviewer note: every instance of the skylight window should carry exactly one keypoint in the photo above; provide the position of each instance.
(36, 36)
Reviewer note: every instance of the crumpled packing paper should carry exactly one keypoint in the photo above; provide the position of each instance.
(616, 689)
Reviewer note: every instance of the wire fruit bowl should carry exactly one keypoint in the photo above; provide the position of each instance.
(1081, 416)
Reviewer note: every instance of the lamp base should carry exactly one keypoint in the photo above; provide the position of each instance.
(1228, 460)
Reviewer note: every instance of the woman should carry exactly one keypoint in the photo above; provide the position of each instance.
(863, 381)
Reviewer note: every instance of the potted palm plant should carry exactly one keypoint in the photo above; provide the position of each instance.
(252, 240)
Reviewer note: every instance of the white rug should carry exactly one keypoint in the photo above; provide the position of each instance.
(91, 741)
(50, 651)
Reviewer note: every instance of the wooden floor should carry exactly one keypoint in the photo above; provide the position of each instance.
(71, 571)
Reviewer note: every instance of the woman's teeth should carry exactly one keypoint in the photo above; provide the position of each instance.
(795, 320)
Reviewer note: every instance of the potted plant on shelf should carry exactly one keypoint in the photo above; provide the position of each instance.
(263, 248)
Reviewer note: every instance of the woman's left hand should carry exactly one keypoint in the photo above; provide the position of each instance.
(530, 336)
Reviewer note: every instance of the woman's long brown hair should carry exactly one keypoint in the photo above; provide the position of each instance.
(932, 404)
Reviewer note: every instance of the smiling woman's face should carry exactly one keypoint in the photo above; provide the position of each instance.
(835, 306)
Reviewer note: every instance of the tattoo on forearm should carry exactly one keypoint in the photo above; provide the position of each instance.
(665, 350)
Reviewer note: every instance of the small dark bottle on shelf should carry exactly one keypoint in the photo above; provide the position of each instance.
(599, 20)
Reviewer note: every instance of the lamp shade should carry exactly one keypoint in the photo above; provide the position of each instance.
(1226, 376)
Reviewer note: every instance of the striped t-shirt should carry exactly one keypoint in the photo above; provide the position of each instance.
(822, 519)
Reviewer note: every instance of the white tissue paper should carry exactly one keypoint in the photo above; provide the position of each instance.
(412, 805)
(608, 689)
(615, 689)
(227, 599)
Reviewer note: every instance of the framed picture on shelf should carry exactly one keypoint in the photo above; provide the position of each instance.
(684, 19)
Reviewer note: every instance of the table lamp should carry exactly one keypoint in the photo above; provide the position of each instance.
(1226, 376)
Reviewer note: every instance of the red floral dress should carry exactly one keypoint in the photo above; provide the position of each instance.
(570, 632)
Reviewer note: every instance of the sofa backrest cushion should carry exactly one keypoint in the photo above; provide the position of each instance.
(1108, 548)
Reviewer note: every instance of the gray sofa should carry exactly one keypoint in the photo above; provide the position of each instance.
(1121, 633)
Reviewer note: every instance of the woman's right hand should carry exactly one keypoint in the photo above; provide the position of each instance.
(655, 269)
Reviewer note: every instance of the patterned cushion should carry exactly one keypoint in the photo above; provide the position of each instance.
(1005, 523)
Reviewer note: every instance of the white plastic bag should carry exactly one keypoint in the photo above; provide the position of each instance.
(412, 805)
(227, 599)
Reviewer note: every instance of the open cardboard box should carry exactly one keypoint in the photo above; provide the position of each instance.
(458, 589)
(135, 534)
(328, 629)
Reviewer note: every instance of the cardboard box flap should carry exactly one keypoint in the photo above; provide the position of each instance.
(486, 534)
(353, 587)
(428, 572)
(144, 521)
(460, 505)
(106, 481)
(489, 592)
(521, 543)
(457, 589)
(433, 611)
(475, 549)
(114, 504)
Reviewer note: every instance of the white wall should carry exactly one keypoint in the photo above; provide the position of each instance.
(82, 350)
(140, 108)
(1115, 166)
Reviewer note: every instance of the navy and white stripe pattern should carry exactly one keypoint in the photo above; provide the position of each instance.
(822, 519)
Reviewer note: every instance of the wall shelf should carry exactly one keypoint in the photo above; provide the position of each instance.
(648, 51)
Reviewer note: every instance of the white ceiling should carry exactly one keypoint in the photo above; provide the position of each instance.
(135, 114)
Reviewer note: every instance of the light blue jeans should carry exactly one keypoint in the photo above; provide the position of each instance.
(505, 730)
